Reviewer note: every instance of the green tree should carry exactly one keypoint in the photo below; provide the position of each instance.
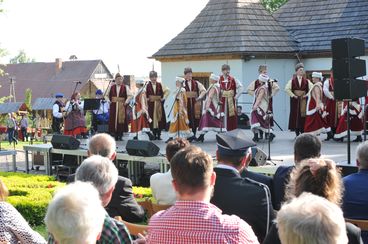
(21, 58)
(273, 5)
(28, 98)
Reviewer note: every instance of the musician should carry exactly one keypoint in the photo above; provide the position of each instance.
(194, 92)
(156, 95)
(260, 120)
(273, 89)
(75, 122)
(230, 89)
(119, 96)
(101, 115)
(297, 88)
(57, 113)
(212, 118)
(141, 118)
(331, 106)
(180, 121)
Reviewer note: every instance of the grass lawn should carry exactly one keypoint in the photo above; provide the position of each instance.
(42, 230)
(19, 146)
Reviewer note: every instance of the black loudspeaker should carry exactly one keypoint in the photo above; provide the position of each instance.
(346, 68)
(64, 142)
(142, 148)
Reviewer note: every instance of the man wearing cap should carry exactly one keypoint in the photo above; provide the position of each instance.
(195, 91)
(315, 121)
(331, 106)
(273, 89)
(246, 198)
(260, 116)
(119, 96)
(100, 115)
(156, 94)
(57, 113)
(297, 88)
(230, 89)
(212, 118)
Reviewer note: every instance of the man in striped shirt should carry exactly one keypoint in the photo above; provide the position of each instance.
(193, 219)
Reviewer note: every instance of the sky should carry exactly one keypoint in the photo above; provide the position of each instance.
(120, 32)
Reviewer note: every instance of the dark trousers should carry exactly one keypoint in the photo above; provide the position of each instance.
(11, 137)
(24, 133)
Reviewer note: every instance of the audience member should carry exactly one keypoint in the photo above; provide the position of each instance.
(193, 219)
(13, 227)
(310, 219)
(246, 198)
(122, 201)
(103, 174)
(243, 119)
(305, 146)
(161, 183)
(322, 178)
(75, 214)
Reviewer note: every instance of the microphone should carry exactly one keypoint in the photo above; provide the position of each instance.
(78, 82)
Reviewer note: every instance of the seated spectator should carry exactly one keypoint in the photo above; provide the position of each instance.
(75, 214)
(13, 227)
(310, 219)
(243, 119)
(161, 183)
(103, 174)
(246, 198)
(319, 177)
(122, 202)
(305, 146)
(193, 219)
(355, 200)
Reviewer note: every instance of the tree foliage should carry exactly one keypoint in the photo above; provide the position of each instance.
(21, 58)
(273, 5)
(28, 98)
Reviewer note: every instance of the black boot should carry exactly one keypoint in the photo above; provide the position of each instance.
(261, 135)
(170, 139)
(358, 139)
(150, 136)
(271, 136)
(158, 136)
(200, 138)
(135, 138)
(192, 138)
(329, 136)
(339, 139)
(255, 137)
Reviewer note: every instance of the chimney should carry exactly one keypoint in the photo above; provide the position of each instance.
(58, 65)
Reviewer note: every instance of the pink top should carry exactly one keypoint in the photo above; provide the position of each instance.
(198, 222)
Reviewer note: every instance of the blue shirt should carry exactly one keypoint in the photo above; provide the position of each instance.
(355, 201)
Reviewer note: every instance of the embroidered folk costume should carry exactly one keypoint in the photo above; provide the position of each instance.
(356, 122)
(315, 121)
(100, 115)
(212, 118)
(57, 113)
(179, 125)
(331, 106)
(156, 94)
(261, 115)
(119, 97)
(297, 88)
(230, 89)
(75, 122)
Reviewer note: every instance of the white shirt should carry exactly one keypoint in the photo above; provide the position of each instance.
(104, 108)
(162, 188)
(55, 111)
(326, 90)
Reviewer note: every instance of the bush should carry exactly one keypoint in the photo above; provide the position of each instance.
(30, 194)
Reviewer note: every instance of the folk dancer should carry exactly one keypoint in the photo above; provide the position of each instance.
(212, 118)
(315, 121)
(101, 115)
(57, 113)
(230, 89)
(179, 122)
(356, 123)
(273, 89)
(297, 88)
(75, 122)
(156, 95)
(119, 96)
(194, 92)
(331, 106)
(141, 118)
(261, 115)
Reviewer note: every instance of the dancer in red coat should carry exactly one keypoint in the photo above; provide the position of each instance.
(331, 106)
(297, 88)
(230, 89)
(315, 121)
(356, 122)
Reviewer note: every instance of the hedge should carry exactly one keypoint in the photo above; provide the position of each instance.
(31, 194)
